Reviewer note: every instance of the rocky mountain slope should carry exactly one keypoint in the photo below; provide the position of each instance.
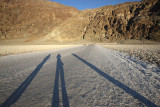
(31, 18)
(131, 20)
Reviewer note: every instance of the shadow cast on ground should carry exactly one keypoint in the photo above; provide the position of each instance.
(13, 98)
(55, 99)
(119, 84)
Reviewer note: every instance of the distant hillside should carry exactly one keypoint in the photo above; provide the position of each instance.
(31, 18)
(54, 21)
(131, 20)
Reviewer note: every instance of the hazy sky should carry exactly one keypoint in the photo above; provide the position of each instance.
(90, 4)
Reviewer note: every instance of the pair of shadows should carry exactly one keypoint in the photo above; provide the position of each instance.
(13, 98)
(119, 84)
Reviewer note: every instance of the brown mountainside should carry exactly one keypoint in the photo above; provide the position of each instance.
(29, 18)
(137, 20)
(132, 20)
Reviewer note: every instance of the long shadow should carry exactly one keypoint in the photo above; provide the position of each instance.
(119, 84)
(19, 91)
(55, 99)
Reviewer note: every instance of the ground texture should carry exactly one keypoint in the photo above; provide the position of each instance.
(148, 53)
(18, 49)
(78, 77)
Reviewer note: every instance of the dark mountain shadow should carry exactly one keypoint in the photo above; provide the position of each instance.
(55, 99)
(19, 91)
(119, 84)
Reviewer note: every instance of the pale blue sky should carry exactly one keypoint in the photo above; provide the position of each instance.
(90, 4)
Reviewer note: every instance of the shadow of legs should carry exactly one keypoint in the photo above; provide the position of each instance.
(55, 99)
(119, 84)
(19, 91)
(63, 86)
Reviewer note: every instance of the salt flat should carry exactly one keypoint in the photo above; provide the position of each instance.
(78, 76)
(149, 53)
(17, 49)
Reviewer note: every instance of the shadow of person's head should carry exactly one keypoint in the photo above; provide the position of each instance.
(58, 56)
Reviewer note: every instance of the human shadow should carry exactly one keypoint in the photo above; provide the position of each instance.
(55, 99)
(13, 98)
(119, 84)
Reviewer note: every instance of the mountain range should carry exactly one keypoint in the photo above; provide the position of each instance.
(46, 20)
